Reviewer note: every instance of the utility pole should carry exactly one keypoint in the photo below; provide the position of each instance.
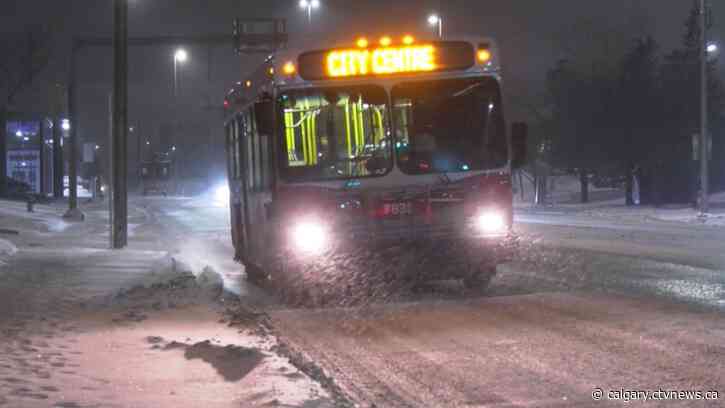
(57, 135)
(139, 156)
(119, 134)
(704, 179)
(73, 213)
(137, 130)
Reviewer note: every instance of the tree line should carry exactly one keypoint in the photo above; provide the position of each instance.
(626, 110)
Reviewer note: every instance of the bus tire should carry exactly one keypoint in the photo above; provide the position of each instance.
(480, 278)
(255, 274)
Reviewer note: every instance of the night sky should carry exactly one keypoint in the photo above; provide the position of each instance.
(527, 31)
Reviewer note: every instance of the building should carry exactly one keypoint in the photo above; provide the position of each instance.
(27, 150)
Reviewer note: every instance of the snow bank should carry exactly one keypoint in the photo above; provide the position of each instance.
(169, 284)
(566, 190)
(48, 216)
(210, 281)
(7, 249)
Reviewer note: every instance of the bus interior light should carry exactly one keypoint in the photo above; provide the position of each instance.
(386, 41)
(362, 42)
(408, 40)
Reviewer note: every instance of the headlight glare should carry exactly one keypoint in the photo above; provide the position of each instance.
(221, 195)
(309, 236)
(490, 222)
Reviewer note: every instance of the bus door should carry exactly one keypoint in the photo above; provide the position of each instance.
(258, 180)
(237, 206)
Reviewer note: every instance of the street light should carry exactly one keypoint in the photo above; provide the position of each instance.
(65, 124)
(180, 57)
(704, 171)
(309, 5)
(712, 48)
(436, 20)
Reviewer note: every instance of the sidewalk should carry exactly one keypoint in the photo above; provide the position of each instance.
(84, 326)
(616, 209)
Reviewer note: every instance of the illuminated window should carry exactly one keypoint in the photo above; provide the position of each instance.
(336, 132)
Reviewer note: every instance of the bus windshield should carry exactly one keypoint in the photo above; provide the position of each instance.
(449, 126)
(335, 133)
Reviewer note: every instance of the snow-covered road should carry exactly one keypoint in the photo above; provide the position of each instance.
(592, 302)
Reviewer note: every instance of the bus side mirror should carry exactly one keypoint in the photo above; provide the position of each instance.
(519, 135)
(264, 114)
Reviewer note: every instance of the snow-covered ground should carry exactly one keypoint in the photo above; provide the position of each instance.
(7, 249)
(15, 214)
(565, 191)
(564, 195)
(147, 326)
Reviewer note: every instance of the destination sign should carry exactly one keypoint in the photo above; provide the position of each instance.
(387, 60)
(381, 61)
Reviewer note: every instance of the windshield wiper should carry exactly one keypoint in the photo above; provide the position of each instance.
(467, 90)
(489, 107)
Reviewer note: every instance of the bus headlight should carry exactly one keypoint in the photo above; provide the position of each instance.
(490, 222)
(221, 195)
(309, 236)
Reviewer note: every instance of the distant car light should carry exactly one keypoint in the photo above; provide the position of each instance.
(490, 222)
(309, 236)
(221, 195)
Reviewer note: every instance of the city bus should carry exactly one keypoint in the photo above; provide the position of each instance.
(385, 145)
(155, 175)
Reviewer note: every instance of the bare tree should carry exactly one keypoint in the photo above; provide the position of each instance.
(24, 56)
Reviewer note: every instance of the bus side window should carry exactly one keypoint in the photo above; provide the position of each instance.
(231, 165)
(256, 148)
(241, 150)
(248, 152)
(238, 157)
(266, 160)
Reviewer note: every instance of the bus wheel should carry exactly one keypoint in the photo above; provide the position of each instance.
(480, 277)
(255, 274)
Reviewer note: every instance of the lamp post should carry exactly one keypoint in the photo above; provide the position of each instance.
(705, 49)
(180, 57)
(434, 20)
(309, 5)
